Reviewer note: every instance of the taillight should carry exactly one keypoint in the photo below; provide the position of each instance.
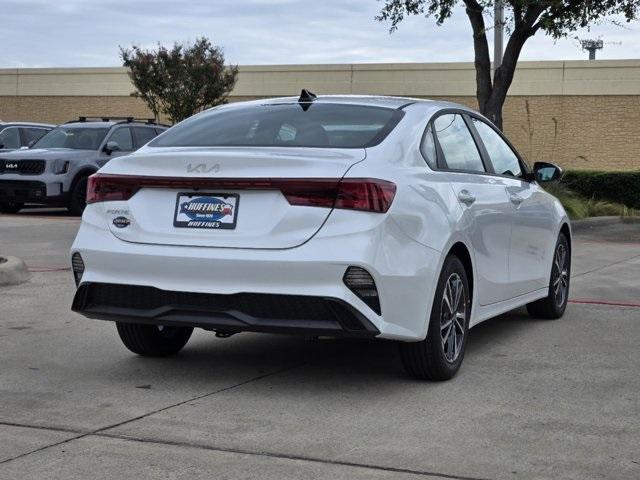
(367, 194)
(109, 188)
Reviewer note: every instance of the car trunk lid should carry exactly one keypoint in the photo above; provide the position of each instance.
(226, 197)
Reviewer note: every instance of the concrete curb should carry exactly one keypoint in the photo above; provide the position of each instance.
(13, 271)
(597, 222)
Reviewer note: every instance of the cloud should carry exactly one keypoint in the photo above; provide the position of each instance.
(88, 32)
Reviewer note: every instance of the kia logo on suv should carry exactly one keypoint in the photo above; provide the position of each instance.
(11, 166)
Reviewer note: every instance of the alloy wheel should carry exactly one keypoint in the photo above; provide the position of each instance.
(560, 282)
(453, 315)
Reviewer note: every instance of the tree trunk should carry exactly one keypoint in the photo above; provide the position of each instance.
(493, 111)
(491, 95)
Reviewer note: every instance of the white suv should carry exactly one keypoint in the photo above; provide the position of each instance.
(355, 216)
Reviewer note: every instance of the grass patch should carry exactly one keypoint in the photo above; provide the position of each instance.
(579, 207)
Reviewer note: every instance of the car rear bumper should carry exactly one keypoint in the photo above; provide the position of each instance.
(252, 312)
(405, 273)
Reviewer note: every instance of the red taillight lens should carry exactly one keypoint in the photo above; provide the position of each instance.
(366, 194)
(320, 192)
(371, 195)
(106, 188)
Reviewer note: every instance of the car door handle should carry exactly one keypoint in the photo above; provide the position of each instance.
(516, 199)
(466, 197)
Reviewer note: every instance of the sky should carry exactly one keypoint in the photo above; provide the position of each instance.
(87, 33)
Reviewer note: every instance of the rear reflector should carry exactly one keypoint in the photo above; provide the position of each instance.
(362, 284)
(77, 265)
(367, 194)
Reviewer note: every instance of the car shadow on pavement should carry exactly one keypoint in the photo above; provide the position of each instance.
(363, 362)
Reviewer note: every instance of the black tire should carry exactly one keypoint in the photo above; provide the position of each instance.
(431, 358)
(153, 340)
(78, 196)
(554, 304)
(11, 207)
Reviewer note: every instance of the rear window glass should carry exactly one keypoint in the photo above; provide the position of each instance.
(284, 125)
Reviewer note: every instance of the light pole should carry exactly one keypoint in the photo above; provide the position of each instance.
(592, 46)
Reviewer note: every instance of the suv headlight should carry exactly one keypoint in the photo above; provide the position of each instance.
(60, 166)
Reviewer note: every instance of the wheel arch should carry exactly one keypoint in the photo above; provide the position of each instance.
(460, 250)
(81, 173)
(567, 233)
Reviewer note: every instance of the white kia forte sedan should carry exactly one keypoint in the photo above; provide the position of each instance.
(346, 216)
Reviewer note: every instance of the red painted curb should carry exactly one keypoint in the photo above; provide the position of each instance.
(605, 302)
(48, 269)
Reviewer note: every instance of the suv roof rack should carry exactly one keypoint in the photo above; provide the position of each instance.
(148, 121)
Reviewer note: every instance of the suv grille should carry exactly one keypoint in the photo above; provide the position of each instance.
(22, 167)
(22, 191)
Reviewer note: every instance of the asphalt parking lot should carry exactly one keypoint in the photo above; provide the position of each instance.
(534, 399)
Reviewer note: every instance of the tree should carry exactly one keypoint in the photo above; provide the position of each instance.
(180, 81)
(524, 18)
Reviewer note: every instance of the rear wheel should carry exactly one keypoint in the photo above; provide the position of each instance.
(153, 340)
(439, 356)
(78, 197)
(554, 304)
(10, 207)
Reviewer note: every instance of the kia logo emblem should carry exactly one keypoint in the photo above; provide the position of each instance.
(203, 168)
(11, 166)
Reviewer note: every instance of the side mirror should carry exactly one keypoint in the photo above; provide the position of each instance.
(111, 147)
(546, 172)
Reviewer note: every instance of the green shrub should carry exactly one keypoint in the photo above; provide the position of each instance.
(618, 187)
(574, 205)
(578, 207)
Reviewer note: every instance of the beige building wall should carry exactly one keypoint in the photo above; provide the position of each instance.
(580, 114)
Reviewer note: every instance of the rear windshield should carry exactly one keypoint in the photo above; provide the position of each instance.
(284, 125)
(78, 138)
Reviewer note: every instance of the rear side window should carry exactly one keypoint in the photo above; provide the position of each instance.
(428, 148)
(10, 138)
(122, 136)
(285, 125)
(457, 144)
(502, 157)
(144, 135)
